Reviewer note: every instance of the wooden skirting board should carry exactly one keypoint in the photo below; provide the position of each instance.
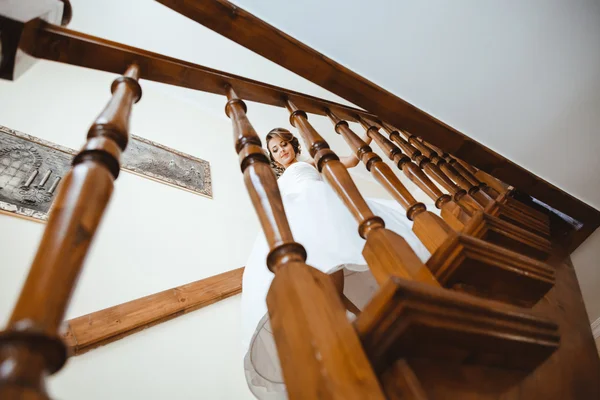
(253, 33)
(110, 324)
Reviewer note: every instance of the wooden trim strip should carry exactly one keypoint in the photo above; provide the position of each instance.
(110, 324)
(251, 32)
(56, 43)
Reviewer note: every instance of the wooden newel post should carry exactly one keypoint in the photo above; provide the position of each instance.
(30, 348)
(320, 353)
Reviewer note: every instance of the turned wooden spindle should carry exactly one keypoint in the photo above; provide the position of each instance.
(450, 211)
(462, 170)
(472, 189)
(30, 347)
(307, 316)
(512, 210)
(476, 199)
(429, 228)
(459, 195)
(386, 252)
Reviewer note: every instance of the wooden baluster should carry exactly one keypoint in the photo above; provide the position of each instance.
(428, 227)
(320, 353)
(30, 347)
(533, 243)
(514, 210)
(473, 189)
(387, 253)
(501, 192)
(450, 211)
(460, 195)
(463, 171)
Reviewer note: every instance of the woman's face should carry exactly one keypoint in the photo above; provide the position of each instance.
(282, 151)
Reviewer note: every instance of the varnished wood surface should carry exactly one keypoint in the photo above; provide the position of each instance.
(55, 43)
(570, 373)
(251, 32)
(410, 319)
(307, 316)
(29, 347)
(105, 326)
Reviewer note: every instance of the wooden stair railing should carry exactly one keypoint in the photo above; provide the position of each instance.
(531, 220)
(414, 321)
(30, 347)
(429, 228)
(481, 225)
(459, 259)
(501, 196)
(395, 290)
(459, 195)
(450, 211)
(307, 316)
(240, 26)
(387, 253)
(469, 203)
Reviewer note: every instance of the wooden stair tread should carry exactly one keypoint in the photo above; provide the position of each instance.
(411, 319)
(490, 271)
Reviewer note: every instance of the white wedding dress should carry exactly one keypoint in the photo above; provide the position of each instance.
(322, 224)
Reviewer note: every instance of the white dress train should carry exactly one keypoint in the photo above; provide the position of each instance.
(322, 224)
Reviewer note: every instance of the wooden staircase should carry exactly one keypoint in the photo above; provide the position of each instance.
(494, 313)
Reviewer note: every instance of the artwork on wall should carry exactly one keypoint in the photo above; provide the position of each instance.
(31, 170)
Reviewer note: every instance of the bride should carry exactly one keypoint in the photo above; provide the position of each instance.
(322, 224)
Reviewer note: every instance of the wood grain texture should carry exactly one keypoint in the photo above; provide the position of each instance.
(410, 319)
(30, 348)
(251, 32)
(571, 372)
(105, 326)
(471, 265)
(55, 43)
(308, 318)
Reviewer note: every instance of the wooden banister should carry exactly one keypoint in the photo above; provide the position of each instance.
(460, 195)
(307, 316)
(431, 230)
(387, 253)
(237, 24)
(55, 43)
(30, 348)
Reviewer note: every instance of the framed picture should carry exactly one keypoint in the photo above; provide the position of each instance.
(31, 170)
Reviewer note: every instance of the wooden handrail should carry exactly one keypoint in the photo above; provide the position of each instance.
(55, 43)
(30, 346)
(102, 327)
